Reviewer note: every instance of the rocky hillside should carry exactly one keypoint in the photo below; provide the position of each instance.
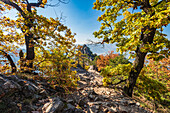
(20, 95)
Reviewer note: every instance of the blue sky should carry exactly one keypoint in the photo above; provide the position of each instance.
(79, 17)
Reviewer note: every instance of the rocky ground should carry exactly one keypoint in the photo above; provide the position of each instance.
(19, 95)
(92, 97)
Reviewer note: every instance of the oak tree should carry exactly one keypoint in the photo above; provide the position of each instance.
(29, 28)
(50, 47)
(135, 26)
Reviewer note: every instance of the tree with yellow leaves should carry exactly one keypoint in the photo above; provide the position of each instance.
(136, 26)
(31, 25)
(49, 44)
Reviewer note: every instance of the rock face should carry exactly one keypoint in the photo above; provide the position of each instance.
(86, 50)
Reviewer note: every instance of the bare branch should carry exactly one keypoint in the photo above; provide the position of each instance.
(120, 82)
(57, 4)
(91, 42)
(27, 1)
(64, 1)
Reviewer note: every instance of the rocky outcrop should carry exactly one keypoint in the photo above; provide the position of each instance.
(19, 95)
(86, 50)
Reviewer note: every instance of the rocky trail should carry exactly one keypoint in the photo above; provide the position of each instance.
(95, 98)
(19, 95)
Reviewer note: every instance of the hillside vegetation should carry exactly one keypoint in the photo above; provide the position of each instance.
(53, 67)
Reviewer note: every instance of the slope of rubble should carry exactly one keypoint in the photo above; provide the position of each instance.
(92, 97)
(19, 95)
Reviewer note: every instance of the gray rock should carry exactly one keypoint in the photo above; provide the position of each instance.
(13, 77)
(28, 90)
(8, 87)
(125, 109)
(94, 109)
(98, 99)
(82, 102)
(70, 109)
(34, 86)
(43, 93)
(114, 109)
(2, 93)
(86, 50)
(71, 101)
(55, 106)
(131, 103)
(92, 96)
(92, 92)
(69, 106)
(107, 92)
(11, 85)
(137, 103)
(78, 111)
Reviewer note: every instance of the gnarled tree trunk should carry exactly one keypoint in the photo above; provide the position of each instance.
(139, 60)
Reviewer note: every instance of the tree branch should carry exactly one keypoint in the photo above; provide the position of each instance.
(158, 3)
(36, 4)
(14, 5)
(91, 42)
(109, 25)
(13, 66)
(118, 82)
(64, 1)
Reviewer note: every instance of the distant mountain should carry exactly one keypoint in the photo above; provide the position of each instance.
(102, 49)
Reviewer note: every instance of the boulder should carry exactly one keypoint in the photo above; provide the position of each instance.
(55, 106)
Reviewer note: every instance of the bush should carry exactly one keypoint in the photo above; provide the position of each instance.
(115, 75)
(56, 67)
(153, 85)
(114, 68)
(103, 61)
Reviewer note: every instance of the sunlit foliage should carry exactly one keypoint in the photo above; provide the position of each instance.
(121, 23)
(114, 68)
(153, 85)
(136, 26)
(52, 43)
(103, 60)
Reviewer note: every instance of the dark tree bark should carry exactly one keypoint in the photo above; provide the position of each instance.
(139, 61)
(30, 54)
(140, 56)
(13, 66)
(21, 55)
